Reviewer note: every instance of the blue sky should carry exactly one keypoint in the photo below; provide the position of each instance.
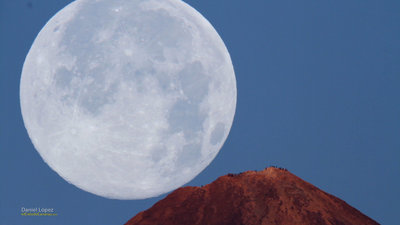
(318, 93)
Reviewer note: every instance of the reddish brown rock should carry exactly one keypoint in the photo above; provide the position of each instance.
(269, 197)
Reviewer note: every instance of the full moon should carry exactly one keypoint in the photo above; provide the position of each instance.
(128, 99)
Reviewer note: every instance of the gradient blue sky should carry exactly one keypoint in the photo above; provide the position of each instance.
(318, 93)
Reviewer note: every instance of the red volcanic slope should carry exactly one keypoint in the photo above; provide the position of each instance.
(269, 197)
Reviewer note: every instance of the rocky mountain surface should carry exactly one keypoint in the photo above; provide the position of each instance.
(273, 196)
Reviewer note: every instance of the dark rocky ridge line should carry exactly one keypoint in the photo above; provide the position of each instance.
(273, 196)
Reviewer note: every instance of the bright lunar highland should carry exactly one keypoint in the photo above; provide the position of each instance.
(128, 99)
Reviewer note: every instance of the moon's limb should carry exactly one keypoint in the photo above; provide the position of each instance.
(128, 99)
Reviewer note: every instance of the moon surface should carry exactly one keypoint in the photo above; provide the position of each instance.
(128, 99)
